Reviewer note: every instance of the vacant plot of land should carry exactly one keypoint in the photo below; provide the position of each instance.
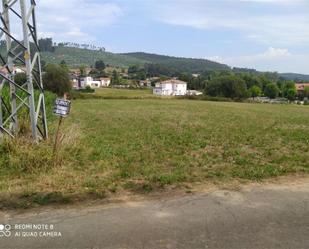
(144, 144)
(110, 93)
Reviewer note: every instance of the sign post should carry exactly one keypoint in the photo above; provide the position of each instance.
(62, 109)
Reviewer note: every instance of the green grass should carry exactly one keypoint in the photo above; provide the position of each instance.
(124, 93)
(144, 144)
(112, 93)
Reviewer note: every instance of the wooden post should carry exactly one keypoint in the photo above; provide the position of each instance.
(57, 136)
(57, 139)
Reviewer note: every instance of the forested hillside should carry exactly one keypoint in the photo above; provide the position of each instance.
(75, 57)
(180, 64)
(78, 55)
(295, 76)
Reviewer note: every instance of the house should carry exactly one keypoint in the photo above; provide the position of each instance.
(145, 83)
(171, 87)
(4, 71)
(300, 87)
(75, 81)
(16, 70)
(105, 82)
(89, 81)
(19, 70)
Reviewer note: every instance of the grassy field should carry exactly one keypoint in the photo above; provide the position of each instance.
(124, 93)
(112, 93)
(142, 145)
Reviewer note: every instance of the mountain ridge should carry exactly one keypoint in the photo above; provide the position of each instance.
(75, 57)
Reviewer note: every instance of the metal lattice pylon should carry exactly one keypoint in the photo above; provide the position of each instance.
(19, 52)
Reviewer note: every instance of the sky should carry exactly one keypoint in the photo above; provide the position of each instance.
(268, 35)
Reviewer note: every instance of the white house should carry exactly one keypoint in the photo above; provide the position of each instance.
(75, 83)
(105, 82)
(171, 88)
(89, 81)
(145, 83)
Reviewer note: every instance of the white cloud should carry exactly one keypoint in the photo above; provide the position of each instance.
(273, 59)
(270, 54)
(75, 20)
(279, 25)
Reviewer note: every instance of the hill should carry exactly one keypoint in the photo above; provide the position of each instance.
(76, 57)
(295, 76)
(180, 64)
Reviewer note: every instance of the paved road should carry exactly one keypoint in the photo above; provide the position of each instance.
(255, 217)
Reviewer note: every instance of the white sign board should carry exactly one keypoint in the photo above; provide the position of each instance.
(62, 107)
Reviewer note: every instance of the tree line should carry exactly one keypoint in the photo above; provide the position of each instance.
(47, 45)
(241, 85)
(237, 83)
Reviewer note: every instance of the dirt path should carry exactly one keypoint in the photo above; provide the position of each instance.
(255, 216)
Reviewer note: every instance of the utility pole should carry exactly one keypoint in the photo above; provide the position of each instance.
(22, 52)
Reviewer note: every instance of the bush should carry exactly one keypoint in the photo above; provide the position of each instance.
(255, 91)
(230, 86)
(271, 91)
(56, 79)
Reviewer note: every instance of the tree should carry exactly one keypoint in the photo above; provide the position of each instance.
(288, 88)
(306, 92)
(133, 69)
(57, 80)
(229, 86)
(115, 78)
(271, 91)
(82, 71)
(255, 91)
(291, 94)
(251, 80)
(64, 65)
(46, 45)
(100, 65)
(213, 89)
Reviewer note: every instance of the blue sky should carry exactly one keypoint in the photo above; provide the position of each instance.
(269, 35)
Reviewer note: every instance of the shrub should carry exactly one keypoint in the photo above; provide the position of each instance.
(271, 91)
(56, 79)
(255, 91)
(230, 86)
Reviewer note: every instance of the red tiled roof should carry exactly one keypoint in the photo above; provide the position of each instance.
(301, 86)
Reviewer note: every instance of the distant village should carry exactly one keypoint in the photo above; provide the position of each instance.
(110, 77)
(159, 86)
(168, 87)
